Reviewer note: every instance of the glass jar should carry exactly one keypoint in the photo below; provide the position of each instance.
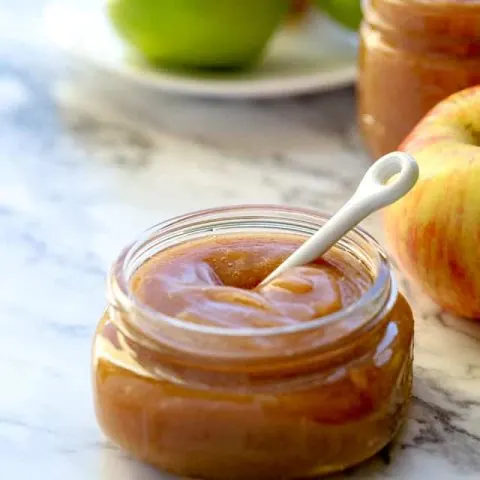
(413, 53)
(204, 402)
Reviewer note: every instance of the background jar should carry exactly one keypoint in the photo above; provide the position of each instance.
(413, 53)
(283, 402)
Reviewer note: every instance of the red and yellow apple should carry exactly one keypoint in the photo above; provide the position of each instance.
(434, 231)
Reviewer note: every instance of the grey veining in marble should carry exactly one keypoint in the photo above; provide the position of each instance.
(84, 168)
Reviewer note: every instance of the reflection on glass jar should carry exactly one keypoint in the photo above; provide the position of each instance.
(213, 399)
(413, 53)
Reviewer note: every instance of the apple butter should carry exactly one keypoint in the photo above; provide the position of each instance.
(413, 53)
(202, 373)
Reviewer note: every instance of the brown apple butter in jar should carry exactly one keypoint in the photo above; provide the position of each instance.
(413, 53)
(199, 371)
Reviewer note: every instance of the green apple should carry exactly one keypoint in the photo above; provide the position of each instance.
(198, 33)
(346, 12)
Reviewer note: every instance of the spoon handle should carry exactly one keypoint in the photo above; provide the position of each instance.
(376, 190)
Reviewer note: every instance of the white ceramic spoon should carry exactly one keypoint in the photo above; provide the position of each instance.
(376, 190)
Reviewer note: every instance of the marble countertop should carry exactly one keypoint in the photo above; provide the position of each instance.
(84, 168)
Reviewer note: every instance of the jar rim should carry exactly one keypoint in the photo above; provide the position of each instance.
(121, 297)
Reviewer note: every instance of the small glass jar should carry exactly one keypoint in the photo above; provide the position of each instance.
(204, 402)
(413, 53)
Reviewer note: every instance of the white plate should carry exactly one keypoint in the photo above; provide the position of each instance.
(315, 56)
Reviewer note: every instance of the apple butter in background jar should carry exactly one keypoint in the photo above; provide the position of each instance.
(413, 53)
(201, 374)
